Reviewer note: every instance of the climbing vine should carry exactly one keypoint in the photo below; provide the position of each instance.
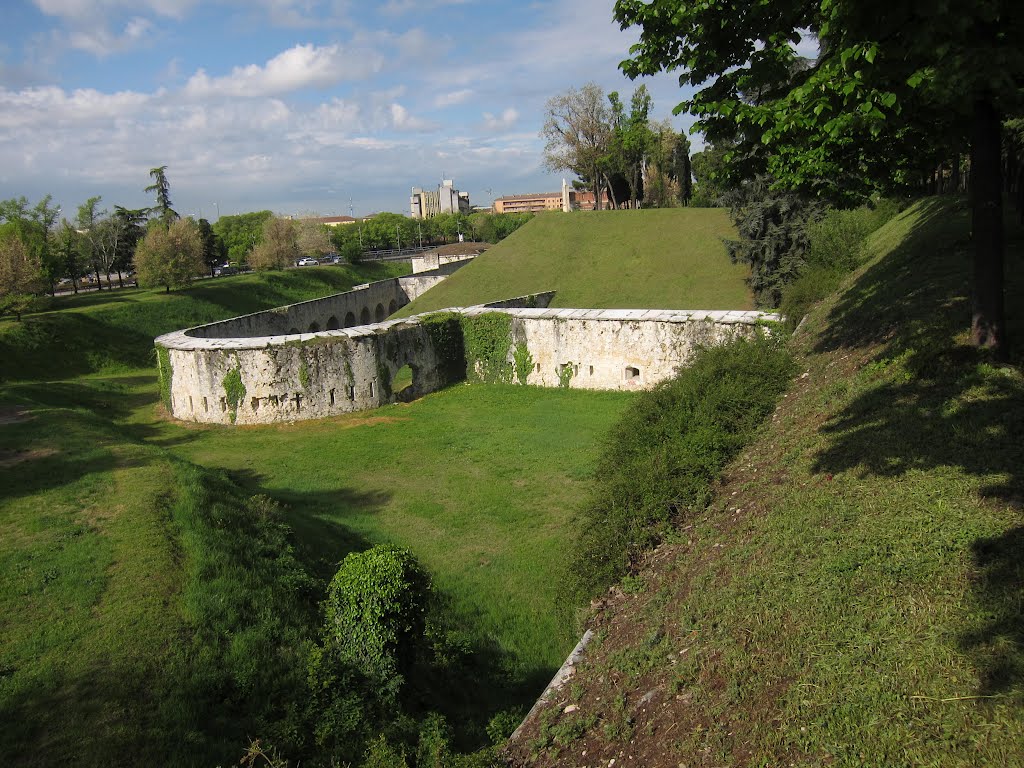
(523, 361)
(163, 363)
(565, 373)
(304, 374)
(487, 340)
(444, 329)
(234, 390)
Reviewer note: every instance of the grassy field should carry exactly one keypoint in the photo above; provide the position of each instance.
(141, 622)
(854, 595)
(668, 259)
(113, 331)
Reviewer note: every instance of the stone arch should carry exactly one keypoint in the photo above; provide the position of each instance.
(314, 327)
(332, 323)
(293, 330)
(350, 319)
(392, 307)
(364, 316)
(405, 383)
(378, 313)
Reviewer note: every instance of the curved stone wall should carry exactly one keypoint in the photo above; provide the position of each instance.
(247, 370)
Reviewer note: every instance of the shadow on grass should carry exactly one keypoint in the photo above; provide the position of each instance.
(940, 404)
(997, 643)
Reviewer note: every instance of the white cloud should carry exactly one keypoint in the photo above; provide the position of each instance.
(401, 120)
(402, 7)
(452, 98)
(503, 122)
(303, 66)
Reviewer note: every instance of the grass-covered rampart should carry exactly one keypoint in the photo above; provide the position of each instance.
(658, 258)
(852, 596)
(113, 331)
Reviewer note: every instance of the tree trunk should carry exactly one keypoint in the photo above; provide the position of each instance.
(120, 280)
(611, 193)
(988, 326)
(99, 283)
(597, 191)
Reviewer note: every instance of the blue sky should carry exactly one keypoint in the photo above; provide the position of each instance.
(293, 105)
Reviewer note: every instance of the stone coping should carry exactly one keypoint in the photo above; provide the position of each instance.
(182, 340)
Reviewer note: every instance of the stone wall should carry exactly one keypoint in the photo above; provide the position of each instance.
(213, 374)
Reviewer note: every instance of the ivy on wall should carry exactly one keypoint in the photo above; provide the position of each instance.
(487, 340)
(163, 365)
(523, 362)
(444, 329)
(234, 390)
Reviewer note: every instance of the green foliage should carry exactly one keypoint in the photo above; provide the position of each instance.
(837, 244)
(660, 460)
(303, 373)
(170, 256)
(565, 373)
(523, 362)
(374, 632)
(165, 374)
(444, 329)
(351, 251)
(234, 390)
(487, 341)
(773, 237)
(279, 246)
(241, 233)
(375, 613)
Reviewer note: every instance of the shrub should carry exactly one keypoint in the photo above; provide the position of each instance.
(279, 248)
(170, 256)
(660, 459)
(836, 246)
(374, 633)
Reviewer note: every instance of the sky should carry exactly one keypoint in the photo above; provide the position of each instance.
(298, 106)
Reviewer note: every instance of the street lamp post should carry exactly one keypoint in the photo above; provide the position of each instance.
(218, 210)
(399, 233)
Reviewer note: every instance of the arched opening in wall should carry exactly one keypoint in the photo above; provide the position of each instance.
(632, 375)
(293, 330)
(392, 307)
(378, 313)
(403, 384)
(364, 316)
(350, 320)
(332, 323)
(314, 327)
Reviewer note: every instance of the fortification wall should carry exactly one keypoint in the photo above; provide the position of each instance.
(618, 348)
(210, 377)
(428, 262)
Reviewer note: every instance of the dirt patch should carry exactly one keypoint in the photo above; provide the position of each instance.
(13, 414)
(13, 458)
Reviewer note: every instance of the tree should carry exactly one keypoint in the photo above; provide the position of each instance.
(68, 247)
(279, 247)
(162, 188)
(241, 233)
(20, 280)
(312, 238)
(170, 257)
(131, 225)
(577, 133)
(86, 219)
(632, 139)
(213, 249)
(892, 92)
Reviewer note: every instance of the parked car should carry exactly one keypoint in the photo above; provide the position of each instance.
(307, 262)
(225, 269)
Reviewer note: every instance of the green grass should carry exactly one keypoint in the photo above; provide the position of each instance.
(144, 621)
(670, 259)
(855, 595)
(113, 331)
(478, 481)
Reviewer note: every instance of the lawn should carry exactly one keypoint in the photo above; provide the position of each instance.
(123, 629)
(658, 259)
